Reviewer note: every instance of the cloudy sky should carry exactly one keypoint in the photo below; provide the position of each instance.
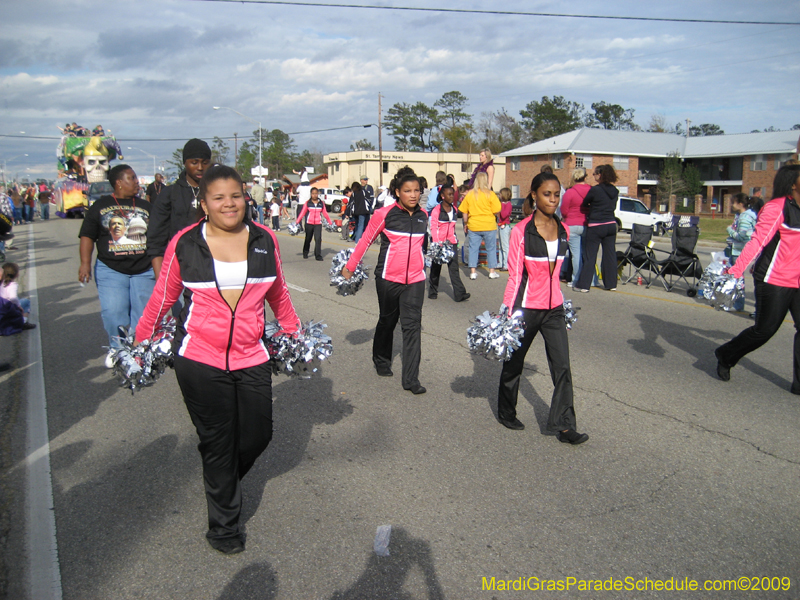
(147, 69)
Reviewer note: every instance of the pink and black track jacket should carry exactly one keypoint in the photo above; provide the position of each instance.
(530, 283)
(403, 236)
(777, 238)
(315, 213)
(209, 330)
(443, 225)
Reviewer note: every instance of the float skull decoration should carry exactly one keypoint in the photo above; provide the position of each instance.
(95, 160)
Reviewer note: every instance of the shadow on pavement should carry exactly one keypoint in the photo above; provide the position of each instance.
(256, 582)
(700, 343)
(299, 406)
(384, 577)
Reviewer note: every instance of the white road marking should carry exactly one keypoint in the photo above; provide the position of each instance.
(44, 572)
(297, 288)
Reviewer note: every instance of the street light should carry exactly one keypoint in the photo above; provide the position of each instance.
(253, 121)
(148, 154)
(8, 160)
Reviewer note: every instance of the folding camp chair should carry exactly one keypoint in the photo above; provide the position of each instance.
(639, 257)
(682, 262)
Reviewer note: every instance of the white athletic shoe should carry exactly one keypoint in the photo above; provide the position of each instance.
(109, 362)
(473, 275)
(494, 275)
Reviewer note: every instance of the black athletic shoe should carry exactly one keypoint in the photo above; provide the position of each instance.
(723, 371)
(570, 436)
(516, 424)
(464, 297)
(383, 371)
(417, 390)
(434, 297)
(228, 545)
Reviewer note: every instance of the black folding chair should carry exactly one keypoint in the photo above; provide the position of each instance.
(682, 263)
(639, 257)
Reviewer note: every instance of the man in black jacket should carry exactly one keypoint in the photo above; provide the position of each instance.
(177, 204)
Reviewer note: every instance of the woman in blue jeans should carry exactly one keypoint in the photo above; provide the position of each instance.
(479, 210)
(117, 226)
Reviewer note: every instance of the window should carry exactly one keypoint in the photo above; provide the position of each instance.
(780, 159)
(466, 167)
(515, 163)
(385, 166)
(336, 166)
(623, 189)
(558, 161)
(621, 163)
(758, 163)
(583, 161)
(515, 191)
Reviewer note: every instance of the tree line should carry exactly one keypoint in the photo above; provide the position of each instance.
(447, 126)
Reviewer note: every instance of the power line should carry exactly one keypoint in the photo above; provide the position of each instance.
(512, 13)
(183, 139)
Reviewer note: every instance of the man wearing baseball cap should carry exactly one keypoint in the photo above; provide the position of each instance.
(177, 204)
(369, 193)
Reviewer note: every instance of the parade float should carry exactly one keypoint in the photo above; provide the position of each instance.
(83, 160)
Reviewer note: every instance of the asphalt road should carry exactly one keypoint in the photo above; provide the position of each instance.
(684, 476)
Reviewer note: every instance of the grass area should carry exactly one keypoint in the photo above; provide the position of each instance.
(714, 230)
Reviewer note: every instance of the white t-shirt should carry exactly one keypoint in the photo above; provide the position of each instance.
(275, 210)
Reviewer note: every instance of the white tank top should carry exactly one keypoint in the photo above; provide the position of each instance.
(552, 250)
(230, 275)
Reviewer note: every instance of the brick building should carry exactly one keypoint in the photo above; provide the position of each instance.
(728, 164)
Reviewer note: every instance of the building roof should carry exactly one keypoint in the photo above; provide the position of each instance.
(643, 143)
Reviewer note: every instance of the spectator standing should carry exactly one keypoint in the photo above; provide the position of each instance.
(479, 211)
(744, 223)
(575, 217)
(369, 193)
(360, 210)
(154, 189)
(504, 226)
(275, 213)
(45, 195)
(29, 201)
(485, 165)
(259, 195)
(123, 271)
(178, 203)
(433, 196)
(600, 201)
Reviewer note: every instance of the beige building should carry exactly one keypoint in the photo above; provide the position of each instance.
(346, 167)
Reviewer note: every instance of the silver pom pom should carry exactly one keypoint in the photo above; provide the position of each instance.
(570, 314)
(140, 366)
(294, 228)
(495, 336)
(725, 292)
(331, 227)
(441, 253)
(705, 286)
(347, 287)
(299, 354)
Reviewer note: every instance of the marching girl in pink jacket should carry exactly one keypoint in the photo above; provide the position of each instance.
(228, 267)
(315, 209)
(536, 252)
(399, 276)
(443, 228)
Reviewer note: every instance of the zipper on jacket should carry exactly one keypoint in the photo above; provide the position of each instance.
(410, 238)
(233, 310)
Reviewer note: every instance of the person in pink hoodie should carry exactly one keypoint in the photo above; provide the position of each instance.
(574, 216)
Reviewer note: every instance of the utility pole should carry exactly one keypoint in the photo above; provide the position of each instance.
(380, 141)
(235, 149)
(688, 122)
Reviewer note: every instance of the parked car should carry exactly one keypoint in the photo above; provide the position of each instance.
(98, 189)
(516, 209)
(334, 199)
(631, 210)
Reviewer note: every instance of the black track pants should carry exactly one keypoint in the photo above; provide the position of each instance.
(554, 331)
(597, 236)
(403, 302)
(232, 413)
(316, 231)
(459, 291)
(772, 304)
